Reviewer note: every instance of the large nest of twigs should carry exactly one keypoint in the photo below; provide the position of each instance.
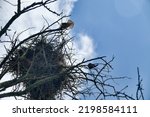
(35, 62)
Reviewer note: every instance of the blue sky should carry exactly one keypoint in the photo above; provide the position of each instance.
(120, 28)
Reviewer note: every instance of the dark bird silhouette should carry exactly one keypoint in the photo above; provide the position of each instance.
(68, 24)
(91, 65)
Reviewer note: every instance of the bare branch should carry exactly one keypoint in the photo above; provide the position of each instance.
(139, 92)
(19, 6)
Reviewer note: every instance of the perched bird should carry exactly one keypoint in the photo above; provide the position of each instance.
(91, 65)
(68, 24)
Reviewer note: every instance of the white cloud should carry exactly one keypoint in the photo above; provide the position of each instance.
(84, 47)
(67, 6)
(34, 18)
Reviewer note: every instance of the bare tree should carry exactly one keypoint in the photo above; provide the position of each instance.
(43, 67)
